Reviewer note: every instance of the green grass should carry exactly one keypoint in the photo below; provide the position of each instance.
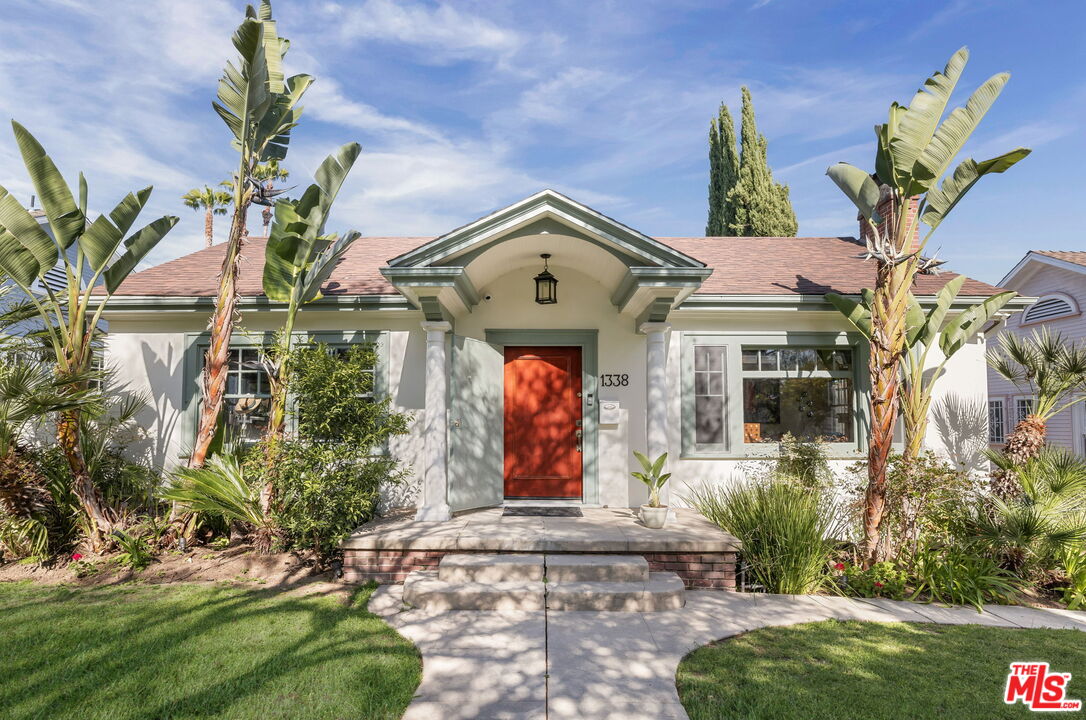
(871, 671)
(188, 651)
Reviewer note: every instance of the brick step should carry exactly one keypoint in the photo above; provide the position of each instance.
(662, 591)
(596, 568)
(489, 569)
(424, 589)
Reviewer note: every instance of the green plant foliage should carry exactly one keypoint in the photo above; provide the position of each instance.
(961, 576)
(882, 579)
(1073, 564)
(804, 461)
(759, 205)
(134, 550)
(327, 479)
(653, 476)
(787, 530)
(723, 173)
(1046, 365)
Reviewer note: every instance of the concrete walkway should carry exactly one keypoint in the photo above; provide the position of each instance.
(611, 665)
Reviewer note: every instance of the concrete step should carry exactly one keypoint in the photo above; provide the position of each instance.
(485, 568)
(596, 568)
(662, 591)
(424, 589)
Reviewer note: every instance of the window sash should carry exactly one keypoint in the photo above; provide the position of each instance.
(996, 422)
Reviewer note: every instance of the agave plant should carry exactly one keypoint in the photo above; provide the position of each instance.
(915, 149)
(260, 108)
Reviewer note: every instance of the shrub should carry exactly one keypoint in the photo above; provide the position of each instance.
(135, 552)
(804, 461)
(1074, 572)
(787, 530)
(328, 478)
(883, 579)
(957, 575)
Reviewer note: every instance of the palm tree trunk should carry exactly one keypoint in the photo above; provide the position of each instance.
(884, 366)
(222, 327)
(82, 485)
(1024, 443)
(266, 214)
(209, 236)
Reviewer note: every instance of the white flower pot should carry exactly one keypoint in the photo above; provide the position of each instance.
(653, 517)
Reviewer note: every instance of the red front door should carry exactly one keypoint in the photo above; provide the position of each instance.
(542, 422)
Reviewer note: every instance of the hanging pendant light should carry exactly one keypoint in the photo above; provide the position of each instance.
(546, 285)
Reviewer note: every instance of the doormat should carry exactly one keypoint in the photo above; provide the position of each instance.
(542, 512)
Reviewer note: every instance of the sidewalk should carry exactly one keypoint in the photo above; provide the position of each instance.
(620, 665)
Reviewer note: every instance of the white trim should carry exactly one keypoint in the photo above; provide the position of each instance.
(1033, 256)
(1071, 303)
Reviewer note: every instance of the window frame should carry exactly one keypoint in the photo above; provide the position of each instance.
(733, 446)
(992, 440)
(196, 345)
(1018, 400)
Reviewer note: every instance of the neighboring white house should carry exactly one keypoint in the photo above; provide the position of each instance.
(707, 348)
(1057, 281)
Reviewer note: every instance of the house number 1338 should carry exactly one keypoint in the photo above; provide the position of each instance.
(615, 380)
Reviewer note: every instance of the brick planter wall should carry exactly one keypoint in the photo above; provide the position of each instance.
(698, 570)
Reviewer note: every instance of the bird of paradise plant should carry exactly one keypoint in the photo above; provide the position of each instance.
(915, 149)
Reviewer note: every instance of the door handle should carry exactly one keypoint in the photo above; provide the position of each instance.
(578, 435)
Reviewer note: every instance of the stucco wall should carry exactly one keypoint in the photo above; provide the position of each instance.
(148, 352)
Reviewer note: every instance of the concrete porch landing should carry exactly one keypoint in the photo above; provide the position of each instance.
(389, 548)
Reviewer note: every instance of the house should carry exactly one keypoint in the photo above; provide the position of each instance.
(710, 349)
(1056, 283)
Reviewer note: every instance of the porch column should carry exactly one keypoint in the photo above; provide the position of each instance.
(433, 502)
(656, 395)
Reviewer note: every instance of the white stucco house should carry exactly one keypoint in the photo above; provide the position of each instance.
(1055, 281)
(707, 348)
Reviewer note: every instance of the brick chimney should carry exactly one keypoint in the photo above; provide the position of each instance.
(885, 209)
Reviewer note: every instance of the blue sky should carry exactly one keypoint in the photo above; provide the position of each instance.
(464, 107)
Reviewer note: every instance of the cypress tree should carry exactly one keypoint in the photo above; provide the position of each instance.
(723, 173)
(761, 207)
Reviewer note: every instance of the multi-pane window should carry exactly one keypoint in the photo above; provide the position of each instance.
(997, 429)
(709, 387)
(1022, 408)
(248, 395)
(804, 391)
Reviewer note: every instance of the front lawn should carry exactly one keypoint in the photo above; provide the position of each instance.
(188, 651)
(871, 671)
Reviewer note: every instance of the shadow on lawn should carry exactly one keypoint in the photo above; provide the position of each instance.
(160, 634)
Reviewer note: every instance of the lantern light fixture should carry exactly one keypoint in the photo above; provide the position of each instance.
(546, 285)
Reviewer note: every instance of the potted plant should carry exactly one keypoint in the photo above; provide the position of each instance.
(653, 515)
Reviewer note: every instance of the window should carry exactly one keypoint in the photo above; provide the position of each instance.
(248, 395)
(1050, 307)
(996, 428)
(805, 391)
(1022, 408)
(709, 406)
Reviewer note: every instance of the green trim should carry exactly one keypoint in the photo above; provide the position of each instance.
(543, 226)
(196, 345)
(259, 303)
(665, 277)
(806, 302)
(531, 208)
(435, 277)
(733, 447)
(588, 341)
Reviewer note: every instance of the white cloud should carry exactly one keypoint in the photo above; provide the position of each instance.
(441, 33)
(325, 101)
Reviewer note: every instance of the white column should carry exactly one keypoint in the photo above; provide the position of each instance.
(433, 502)
(656, 395)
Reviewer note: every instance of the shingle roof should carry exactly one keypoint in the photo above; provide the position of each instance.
(741, 266)
(1078, 257)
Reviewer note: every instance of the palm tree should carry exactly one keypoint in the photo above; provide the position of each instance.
(70, 315)
(260, 107)
(1051, 370)
(914, 151)
(268, 174)
(212, 202)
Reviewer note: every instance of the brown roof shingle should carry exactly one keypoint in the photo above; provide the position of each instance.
(1078, 257)
(741, 266)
